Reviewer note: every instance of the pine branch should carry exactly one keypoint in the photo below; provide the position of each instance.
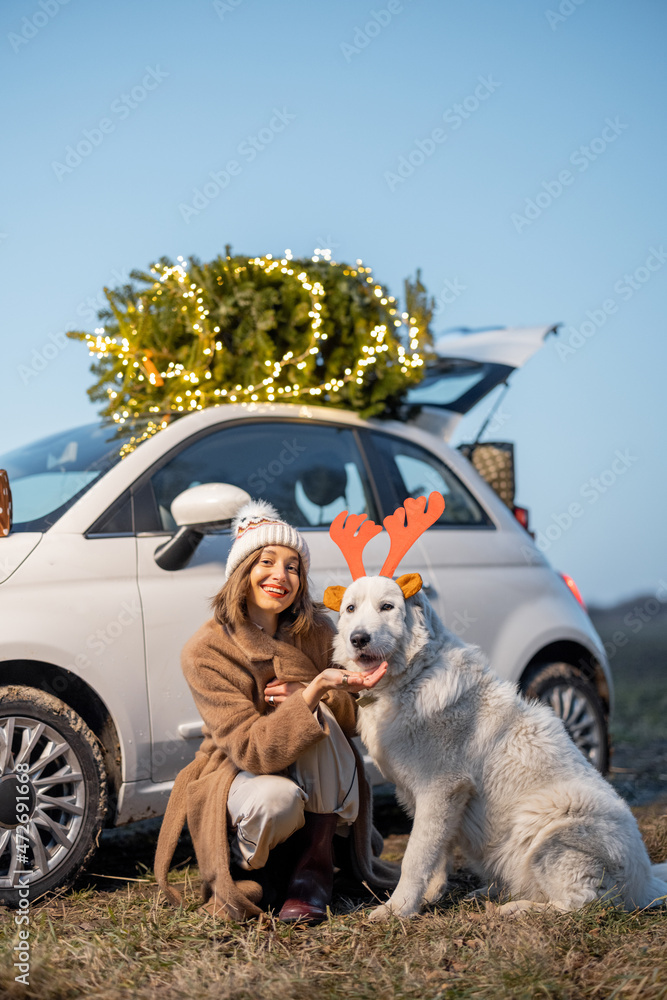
(185, 336)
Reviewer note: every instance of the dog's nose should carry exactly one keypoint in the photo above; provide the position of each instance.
(359, 639)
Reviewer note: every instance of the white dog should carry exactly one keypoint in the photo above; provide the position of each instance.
(480, 768)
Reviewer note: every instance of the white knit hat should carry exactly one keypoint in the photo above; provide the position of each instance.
(257, 524)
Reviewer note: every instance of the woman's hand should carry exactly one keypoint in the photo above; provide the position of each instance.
(277, 691)
(332, 678)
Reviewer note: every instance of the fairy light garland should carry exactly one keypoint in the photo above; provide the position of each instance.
(281, 382)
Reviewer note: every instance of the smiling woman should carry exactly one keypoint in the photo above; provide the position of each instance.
(274, 582)
(278, 788)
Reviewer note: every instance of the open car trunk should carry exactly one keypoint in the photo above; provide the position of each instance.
(467, 368)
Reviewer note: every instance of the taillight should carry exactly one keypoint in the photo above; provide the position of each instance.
(521, 514)
(569, 582)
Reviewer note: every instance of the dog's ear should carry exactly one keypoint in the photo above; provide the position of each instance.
(410, 584)
(332, 597)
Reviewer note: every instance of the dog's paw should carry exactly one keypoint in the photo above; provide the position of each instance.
(389, 909)
(379, 913)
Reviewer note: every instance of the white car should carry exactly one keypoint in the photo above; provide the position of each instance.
(100, 587)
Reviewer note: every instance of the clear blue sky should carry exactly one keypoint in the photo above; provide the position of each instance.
(358, 86)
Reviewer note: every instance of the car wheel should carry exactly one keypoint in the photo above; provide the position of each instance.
(575, 701)
(53, 793)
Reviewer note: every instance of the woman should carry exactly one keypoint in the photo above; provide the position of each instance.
(276, 777)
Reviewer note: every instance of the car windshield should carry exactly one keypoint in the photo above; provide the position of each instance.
(48, 475)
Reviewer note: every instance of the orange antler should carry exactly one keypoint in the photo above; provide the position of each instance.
(352, 542)
(403, 535)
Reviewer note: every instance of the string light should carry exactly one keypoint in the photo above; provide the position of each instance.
(138, 362)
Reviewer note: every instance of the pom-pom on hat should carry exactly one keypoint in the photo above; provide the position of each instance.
(257, 524)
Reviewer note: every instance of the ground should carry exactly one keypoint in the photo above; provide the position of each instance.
(112, 936)
(635, 636)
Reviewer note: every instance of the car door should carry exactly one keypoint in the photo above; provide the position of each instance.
(309, 471)
(469, 562)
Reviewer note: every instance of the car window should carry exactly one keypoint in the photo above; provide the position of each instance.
(47, 476)
(309, 472)
(411, 471)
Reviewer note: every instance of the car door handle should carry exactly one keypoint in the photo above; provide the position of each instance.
(190, 730)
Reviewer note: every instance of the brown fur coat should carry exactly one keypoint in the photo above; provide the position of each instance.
(227, 671)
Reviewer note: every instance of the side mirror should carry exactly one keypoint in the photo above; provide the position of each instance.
(5, 504)
(196, 511)
(207, 505)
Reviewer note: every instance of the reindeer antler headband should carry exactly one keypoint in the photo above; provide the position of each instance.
(352, 532)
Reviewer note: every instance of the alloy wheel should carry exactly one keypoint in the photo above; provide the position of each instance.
(42, 800)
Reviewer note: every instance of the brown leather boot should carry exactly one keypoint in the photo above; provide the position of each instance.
(311, 886)
(275, 875)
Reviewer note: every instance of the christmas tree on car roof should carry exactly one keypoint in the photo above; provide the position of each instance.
(238, 329)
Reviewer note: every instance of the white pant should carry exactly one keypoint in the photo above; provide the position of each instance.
(265, 809)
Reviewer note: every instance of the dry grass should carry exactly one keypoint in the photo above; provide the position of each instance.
(114, 939)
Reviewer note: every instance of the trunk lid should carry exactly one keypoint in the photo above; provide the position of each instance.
(467, 368)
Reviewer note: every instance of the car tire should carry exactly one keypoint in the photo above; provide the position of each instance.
(53, 782)
(574, 700)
